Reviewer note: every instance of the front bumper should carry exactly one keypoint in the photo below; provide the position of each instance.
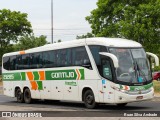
(121, 97)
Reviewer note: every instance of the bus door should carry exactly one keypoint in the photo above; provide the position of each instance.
(107, 90)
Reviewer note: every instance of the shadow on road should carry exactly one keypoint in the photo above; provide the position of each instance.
(78, 106)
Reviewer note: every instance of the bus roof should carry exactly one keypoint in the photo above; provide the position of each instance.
(110, 42)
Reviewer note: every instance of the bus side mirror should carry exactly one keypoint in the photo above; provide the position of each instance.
(155, 58)
(112, 56)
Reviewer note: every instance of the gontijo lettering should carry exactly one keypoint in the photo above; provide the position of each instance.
(72, 74)
(62, 75)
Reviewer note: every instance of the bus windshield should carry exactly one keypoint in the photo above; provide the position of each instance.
(133, 65)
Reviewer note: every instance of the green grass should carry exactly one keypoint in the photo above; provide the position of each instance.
(156, 85)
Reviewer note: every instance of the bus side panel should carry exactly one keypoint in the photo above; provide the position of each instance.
(46, 89)
(35, 93)
(8, 88)
(57, 89)
(71, 90)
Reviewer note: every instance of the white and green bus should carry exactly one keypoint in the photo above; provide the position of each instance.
(92, 70)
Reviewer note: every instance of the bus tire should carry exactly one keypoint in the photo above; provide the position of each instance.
(89, 99)
(19, 96)
(27, 96)
(121, 104)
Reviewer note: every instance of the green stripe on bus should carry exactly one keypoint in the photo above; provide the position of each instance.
(63, 74)
(36, 75)
(11, 76)
(71, 74)
(40, 85)
(144, 87)
(82, 74)
(23, 76)
(137, 88)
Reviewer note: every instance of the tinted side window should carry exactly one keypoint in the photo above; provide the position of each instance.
(69, 57)
(19, 62)
(36, 60)
(95, 52)
(106, 68)
(26, 61)
(103, 63)
(80, 57)
(49, 59)
(6, 63)
(63, 57)
(13, 63)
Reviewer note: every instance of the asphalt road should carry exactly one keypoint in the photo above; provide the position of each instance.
(148, 106)
(10, 104)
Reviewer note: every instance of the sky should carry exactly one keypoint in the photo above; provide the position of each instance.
(68, 16)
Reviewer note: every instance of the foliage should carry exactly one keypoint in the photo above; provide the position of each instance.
(12, 25)
(88, 35)
(156, 85)
(59, 40)
(138, 20)
(156, 68)
(30, 41)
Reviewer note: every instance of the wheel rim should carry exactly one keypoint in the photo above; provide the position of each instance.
(89, 99)
(19, 95)
(27, 95)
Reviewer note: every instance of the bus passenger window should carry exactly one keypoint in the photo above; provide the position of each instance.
(80, 57)
(6, 63)
(63, 58)
(49, 59)
(26, 61)
(13, 63)
(18, 65)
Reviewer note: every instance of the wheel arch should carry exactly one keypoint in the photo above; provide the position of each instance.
(25, 87)
(15, 90)
(84, 90)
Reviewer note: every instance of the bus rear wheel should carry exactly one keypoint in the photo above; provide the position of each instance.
(89, 99)
(27, 96)
(19, 96)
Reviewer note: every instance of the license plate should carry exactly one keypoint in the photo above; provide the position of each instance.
(139, 97)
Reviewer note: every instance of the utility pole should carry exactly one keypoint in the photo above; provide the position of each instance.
(52, 21)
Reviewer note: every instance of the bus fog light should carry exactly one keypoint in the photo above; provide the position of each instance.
(120, 98)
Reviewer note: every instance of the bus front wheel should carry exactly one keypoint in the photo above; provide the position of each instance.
(89, 99)
(27, 96)
(19, 96)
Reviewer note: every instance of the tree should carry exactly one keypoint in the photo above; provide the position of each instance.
(138, 20)
(59, 40)
(88, 35)
(12, 25)
(30, 41)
